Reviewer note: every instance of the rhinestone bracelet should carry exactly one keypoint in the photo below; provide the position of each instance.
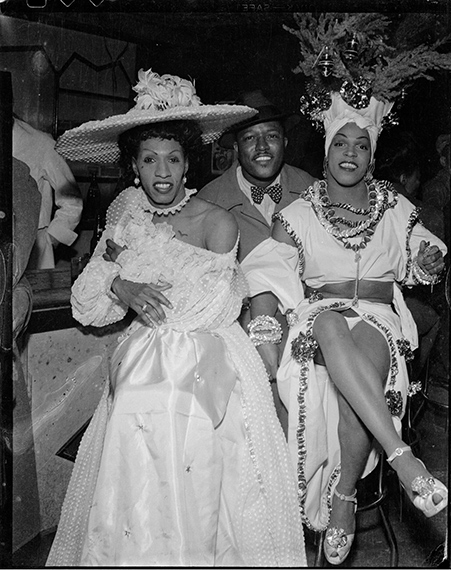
(422, 277)
(265, 330)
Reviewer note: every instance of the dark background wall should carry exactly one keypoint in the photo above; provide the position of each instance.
(228, 47)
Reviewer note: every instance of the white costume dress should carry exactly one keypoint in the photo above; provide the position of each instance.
(184, 462)
(304, 387)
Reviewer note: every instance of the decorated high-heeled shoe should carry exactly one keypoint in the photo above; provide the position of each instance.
(337, 543)
(424, 489)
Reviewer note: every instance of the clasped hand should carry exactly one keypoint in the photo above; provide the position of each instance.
(145, 299)
(430, 258)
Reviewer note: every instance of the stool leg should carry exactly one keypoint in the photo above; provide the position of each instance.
(391, 538)
(319, 556)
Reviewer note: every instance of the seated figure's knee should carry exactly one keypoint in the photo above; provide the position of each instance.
(328, 323)
(327, 327)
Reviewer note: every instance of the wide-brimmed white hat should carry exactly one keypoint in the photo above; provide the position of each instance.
(160, 98)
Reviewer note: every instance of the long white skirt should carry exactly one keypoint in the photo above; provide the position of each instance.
(184, 462)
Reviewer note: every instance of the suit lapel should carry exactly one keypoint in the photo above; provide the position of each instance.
(236, 200)
(287, 196)
(247, 209)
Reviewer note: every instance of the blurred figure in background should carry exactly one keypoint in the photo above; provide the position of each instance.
(61, 201)
(398, 161)
(436, 193)
(25, 511)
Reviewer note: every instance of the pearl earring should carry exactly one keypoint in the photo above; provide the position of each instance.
(184, 180)
(136, 181)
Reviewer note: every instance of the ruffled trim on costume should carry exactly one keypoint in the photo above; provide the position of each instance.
(413, 219)
(92, 296)
(297, 240)
(153, 254)
(270, 466)
(129, 214)
(303, 349)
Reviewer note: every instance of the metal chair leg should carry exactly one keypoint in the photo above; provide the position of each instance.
(391, 539)
(319, 555)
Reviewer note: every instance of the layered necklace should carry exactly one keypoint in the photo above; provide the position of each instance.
(378, 203)
(173, 209)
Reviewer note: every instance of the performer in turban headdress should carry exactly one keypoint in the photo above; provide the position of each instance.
(335, 265)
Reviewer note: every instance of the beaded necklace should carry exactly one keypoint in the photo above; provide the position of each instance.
(339, 220)
(378, 203)
(173, 209)
(350, 208)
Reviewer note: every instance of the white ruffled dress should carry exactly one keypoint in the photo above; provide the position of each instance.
(304, 387)
(184, 462)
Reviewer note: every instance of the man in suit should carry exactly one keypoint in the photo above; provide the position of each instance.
(258, 184)
(26, 522)
(61, 201)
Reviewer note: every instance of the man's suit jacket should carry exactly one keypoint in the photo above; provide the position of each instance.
(225, 191)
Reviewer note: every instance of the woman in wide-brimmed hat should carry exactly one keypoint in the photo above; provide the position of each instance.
(184, 462)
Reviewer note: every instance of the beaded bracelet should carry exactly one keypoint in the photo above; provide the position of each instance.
(421, 277)
(265, 330)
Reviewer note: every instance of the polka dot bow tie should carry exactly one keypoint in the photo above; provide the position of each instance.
(274, 192)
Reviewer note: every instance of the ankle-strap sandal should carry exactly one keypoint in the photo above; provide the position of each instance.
(337, 543)
(424, 489)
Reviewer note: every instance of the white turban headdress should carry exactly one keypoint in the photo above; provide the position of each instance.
(369, 118)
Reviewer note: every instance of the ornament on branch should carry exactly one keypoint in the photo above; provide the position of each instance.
(324, 62)
(351, 52)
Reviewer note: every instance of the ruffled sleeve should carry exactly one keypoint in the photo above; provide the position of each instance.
(274, 266)
(93, 302)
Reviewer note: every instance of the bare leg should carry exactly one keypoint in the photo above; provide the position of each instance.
(355, 445)
(355, 439)
(356, 363)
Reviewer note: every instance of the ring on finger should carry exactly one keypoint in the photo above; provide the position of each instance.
(144, 307)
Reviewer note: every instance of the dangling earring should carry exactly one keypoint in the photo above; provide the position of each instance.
(369, 173)
(184, 180)
(136, 181)
(325, 166)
